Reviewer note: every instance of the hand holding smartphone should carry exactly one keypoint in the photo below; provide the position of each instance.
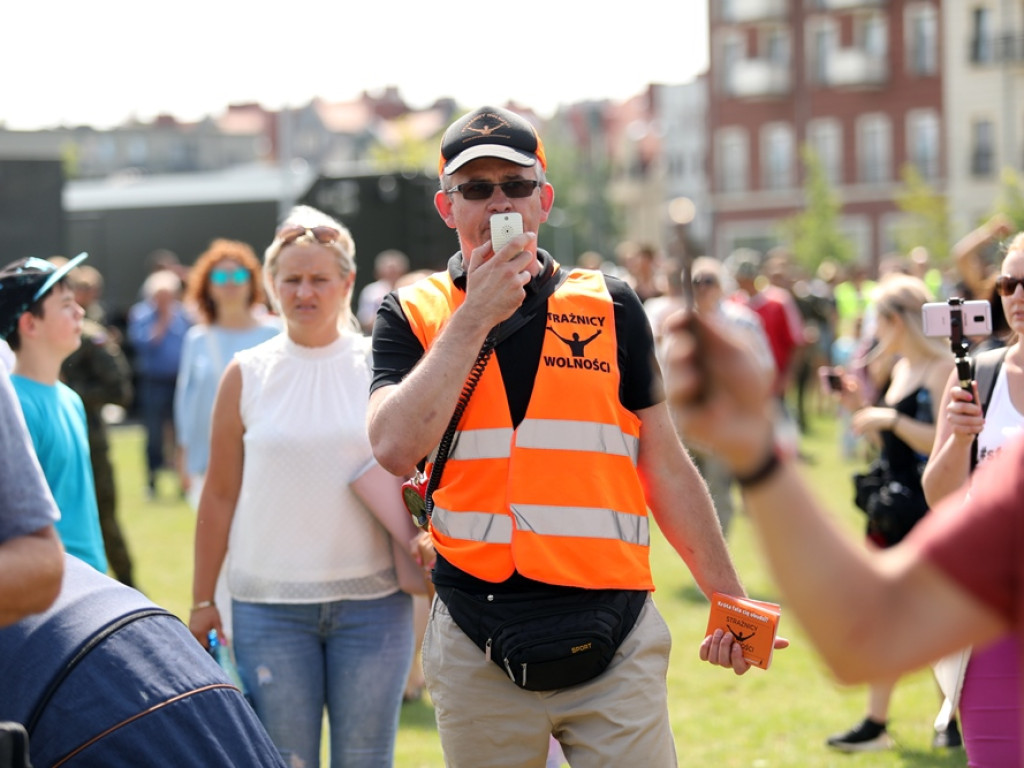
(505, 226)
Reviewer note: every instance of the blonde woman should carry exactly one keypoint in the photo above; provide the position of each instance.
(319, 619)
(902, 424)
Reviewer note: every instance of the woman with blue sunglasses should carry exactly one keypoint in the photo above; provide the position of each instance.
(225, 289)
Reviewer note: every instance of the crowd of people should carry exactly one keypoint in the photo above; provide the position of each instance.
(289, 412)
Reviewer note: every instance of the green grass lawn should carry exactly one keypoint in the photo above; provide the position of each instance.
(774, 719)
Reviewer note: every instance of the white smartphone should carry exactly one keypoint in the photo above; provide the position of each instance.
(504, 226)
(976, 315)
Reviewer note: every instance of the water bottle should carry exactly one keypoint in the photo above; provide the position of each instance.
(225, 658)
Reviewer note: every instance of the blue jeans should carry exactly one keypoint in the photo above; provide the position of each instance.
(156, 403)
(351, 656)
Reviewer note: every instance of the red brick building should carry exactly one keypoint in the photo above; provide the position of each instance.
(858, 81)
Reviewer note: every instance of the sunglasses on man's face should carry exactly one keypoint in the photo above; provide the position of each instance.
(322, 234)
(1007, 284)
(482, 190)
(238, 276)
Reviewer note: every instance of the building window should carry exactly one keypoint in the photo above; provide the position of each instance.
(731, 53)
(922, 40)
(825, 139)
(923, 142)
(776, 46)
(874, 35)
(982, 51)
(777, 156)
(983, 148)
(874, 149)
(732, 161)
(823, 38)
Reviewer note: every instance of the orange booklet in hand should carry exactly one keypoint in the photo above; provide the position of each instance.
(754, 624)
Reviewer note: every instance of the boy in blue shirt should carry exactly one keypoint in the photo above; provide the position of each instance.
(42, 323)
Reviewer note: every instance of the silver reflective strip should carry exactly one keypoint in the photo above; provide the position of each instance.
(582, 522)
(473, 526)
(565, 435)
(482, 443)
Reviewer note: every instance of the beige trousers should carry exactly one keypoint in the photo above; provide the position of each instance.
(619, 718)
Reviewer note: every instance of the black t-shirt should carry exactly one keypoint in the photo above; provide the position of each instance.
(396, 350)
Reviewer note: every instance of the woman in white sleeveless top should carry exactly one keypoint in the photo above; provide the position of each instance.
(319, 620)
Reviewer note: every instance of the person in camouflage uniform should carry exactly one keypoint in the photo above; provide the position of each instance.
(99, 372)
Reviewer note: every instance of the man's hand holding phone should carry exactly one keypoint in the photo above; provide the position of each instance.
(496, 276)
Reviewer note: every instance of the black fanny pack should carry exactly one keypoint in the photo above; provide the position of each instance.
(544, 643)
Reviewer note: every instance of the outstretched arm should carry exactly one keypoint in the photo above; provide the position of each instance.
(869, 614)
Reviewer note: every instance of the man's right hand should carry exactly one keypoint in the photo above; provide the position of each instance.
(496, 282)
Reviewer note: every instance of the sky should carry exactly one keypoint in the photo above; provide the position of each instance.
(65, 62)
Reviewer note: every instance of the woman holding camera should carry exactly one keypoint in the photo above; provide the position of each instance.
(902, 424)
(974, 427)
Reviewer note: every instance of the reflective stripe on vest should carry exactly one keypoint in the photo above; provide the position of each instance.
(488, 528)
(550, 434)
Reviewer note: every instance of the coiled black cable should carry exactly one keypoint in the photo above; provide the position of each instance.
(443, 447)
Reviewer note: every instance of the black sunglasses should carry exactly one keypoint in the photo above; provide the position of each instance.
(482, 190)
(1007, 284)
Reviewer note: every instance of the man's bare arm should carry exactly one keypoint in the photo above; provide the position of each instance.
(870, 614)
(31, 571)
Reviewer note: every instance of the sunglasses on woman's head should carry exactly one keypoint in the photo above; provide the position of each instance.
(321, 234)
(1007, 284)
(238, 276)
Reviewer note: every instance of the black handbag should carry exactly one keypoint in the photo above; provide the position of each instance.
(893, 507)
(867, 484)
(547, 643)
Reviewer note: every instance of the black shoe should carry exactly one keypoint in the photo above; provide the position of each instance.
(867, 736)
(949, 738)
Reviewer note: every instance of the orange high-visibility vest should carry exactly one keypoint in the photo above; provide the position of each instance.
(558, 498)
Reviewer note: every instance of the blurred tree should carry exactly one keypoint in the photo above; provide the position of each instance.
(926, 220)
(69, 158)
(580, 171)
(406, 152)
(813, 234)
(1011, 198)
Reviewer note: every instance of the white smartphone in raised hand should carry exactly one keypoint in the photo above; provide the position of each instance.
(505, 226)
